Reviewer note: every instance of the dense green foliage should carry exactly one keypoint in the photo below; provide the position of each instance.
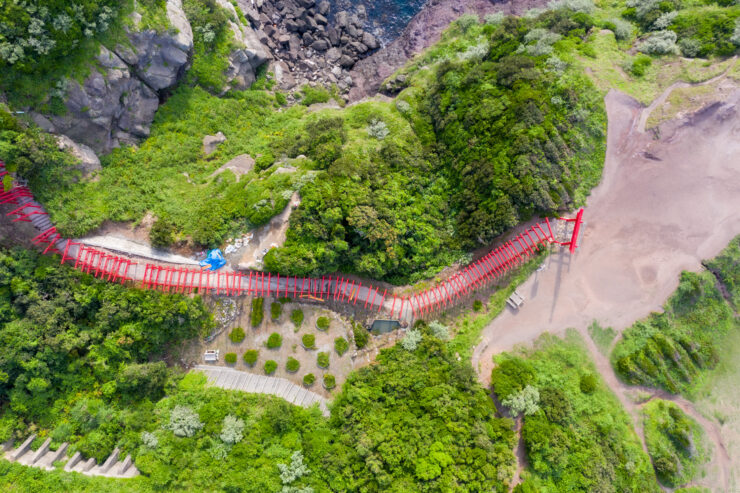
(258, 311)
(76, 359)
(322, 360)
(296, 316)
(419, 421)
(675, 442)
(577, 440)
(322, 323)
(341, 345)
(293, 365)
(250, 356)
(230, 358)
(673, 350)
(698, 28)
(726, 266)
(308, 341)
(330, 381)
(270, 366)
(360, 335)
(274, 341)
(237, 335)
(276, 309)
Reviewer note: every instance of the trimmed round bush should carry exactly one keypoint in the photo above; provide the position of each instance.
(292, 365)
(250, 357)
(309, 379)
(477, 305)
(270, 367)
(274, 341)
(329, 381)
(322, 360)
(297, 317)
(308, 341)
(341, 345)
(276, 309)
(322, 323)
(237, 335)
(230, 358)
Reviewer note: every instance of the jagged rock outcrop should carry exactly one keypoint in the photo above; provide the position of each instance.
(314, 45)
(244, 61)
(89, 161)
(117, 102)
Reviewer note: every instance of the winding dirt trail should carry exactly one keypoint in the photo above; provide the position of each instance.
(663, 205)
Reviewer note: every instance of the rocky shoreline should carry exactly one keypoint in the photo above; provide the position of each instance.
(306, 45)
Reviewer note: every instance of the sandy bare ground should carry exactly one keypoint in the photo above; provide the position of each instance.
(663, 206)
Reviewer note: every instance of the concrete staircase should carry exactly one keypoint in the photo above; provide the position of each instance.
(44, 458)
(228, 378)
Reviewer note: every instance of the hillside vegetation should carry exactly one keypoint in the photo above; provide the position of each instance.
(577, 435)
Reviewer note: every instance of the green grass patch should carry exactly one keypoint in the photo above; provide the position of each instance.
(675, 442)
(296, 316)
(258, 311)
(276, 309)
(675, 350)
(577, 437)
(602, 336)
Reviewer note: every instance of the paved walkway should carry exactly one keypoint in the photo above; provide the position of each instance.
(228, 378)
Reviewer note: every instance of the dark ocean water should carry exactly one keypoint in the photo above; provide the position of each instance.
(385, 18)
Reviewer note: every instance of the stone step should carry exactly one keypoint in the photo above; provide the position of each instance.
(125, 465)
(54, 455)
(25, 446)
(73, 461)
(41, 451)
(112, 459)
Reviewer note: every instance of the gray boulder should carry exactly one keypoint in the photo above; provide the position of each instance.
(211, 142)
(89, 162)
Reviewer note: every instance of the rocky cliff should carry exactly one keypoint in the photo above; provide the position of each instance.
(116, 103)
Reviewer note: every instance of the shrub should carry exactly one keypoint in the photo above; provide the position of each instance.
(264, 161)
(511, 376)
(257, 311)
(639, 65)
(274, 341)
(276, 309)
(329, 381)
(184, 422)
(250, 357)
(292, 365)
(296, 316)
(230, 358)
(525, 401)
(270, 366)
(322, 359)
(162, 233)
(412, 339)
(689, 47)
(308, 341)
(341, 345)
(309, 379)
(588, 383)
(149, 439)
(322, 323)
(237, 335)
(584, 6)
(439, 331)
(660, 43)
(293, 471)
(466, 21)
(622, 29)
(281, 99)
(312, 95)
(378, 129)
(232, 430)
(477, 305)
(360, 335)
(495, 18)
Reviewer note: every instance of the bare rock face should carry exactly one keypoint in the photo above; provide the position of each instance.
(211, 142)
(89, 162)
(117, 102)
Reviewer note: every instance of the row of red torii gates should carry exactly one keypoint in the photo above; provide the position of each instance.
(180, 279)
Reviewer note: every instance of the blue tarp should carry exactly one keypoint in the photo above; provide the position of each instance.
(214, 260)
